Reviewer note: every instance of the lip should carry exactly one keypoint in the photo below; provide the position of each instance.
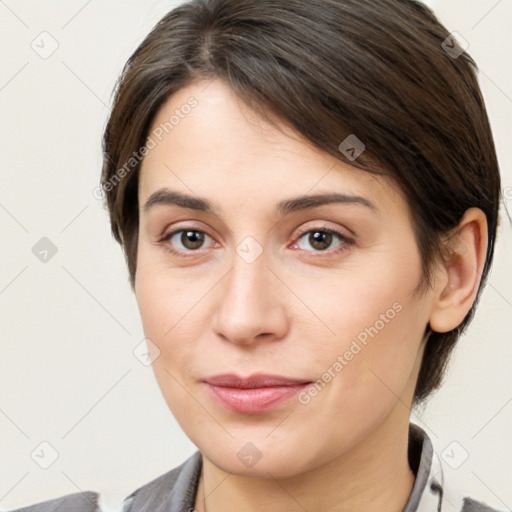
(254, 394)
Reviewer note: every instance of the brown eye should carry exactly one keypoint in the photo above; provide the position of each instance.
(184, 241)
(192, 239)
(320, 240)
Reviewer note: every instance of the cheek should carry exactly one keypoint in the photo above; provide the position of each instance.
(371, 324)
(162, 296)
(166, 310)
(174, 310)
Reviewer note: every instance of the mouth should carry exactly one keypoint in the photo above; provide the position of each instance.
(254, 394)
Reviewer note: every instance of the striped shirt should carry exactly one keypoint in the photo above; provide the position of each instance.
(175, 490)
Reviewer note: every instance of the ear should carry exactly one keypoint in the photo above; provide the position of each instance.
(460, 274)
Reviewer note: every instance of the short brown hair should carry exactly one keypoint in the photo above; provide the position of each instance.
(378, 69)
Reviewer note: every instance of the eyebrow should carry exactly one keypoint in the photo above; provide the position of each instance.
(164, 196)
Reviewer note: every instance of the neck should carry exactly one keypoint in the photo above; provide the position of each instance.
(374, 475)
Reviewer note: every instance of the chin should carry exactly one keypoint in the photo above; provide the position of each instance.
(263, 458)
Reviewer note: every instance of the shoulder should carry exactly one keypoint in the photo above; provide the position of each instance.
(170, 492)
(434, 488)
(77, 502)
(471, 505)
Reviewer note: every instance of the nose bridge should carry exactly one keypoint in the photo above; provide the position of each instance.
(250, 302)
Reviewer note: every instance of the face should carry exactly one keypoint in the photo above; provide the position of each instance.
(262, 283)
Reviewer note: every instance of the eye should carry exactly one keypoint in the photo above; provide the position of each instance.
(322, 238)
(186, 240)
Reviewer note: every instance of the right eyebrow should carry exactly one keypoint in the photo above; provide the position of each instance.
(171, 197)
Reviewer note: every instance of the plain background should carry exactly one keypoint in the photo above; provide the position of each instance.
(70, 325)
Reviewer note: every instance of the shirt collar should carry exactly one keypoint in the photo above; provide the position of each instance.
(431, 491)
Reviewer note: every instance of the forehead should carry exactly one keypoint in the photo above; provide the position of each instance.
(221, 147)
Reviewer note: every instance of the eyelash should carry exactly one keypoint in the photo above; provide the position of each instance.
(346, 241)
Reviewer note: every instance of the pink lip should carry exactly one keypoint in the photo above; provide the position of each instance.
(254, 394)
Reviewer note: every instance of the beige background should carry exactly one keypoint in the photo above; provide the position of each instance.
(69, 326)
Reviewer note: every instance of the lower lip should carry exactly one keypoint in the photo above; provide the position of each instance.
(252, 401)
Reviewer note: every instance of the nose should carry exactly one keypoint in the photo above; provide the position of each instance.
(251, 305)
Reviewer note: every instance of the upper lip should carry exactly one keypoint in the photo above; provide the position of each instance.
(260, 380)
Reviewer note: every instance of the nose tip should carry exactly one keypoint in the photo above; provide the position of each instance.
(243, 333)
(246, 311)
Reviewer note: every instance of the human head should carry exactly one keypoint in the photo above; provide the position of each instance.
(376, 69)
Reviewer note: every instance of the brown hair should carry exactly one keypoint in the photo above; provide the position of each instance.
(378, 69)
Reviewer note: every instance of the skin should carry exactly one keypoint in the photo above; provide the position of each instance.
(292, 311)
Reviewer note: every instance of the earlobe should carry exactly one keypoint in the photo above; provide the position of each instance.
(461, 272)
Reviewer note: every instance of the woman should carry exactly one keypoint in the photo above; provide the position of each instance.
(307, 197)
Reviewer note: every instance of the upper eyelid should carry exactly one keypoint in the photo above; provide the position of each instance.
(300, 231)
(308, 229)
(173, 231)
(321, 225)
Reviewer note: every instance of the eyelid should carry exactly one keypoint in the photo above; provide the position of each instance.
(346, 241)
(167, 235)
(185, 227)
(323, 227)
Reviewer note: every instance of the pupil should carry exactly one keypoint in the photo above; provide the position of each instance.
(320, 237)
(192, 239)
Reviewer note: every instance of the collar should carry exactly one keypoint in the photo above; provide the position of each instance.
(431, 492)
(175, 491)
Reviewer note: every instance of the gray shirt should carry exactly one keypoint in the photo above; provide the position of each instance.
(175, 490)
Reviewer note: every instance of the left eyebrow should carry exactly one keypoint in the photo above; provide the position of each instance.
(311, 201)
(170, 197)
